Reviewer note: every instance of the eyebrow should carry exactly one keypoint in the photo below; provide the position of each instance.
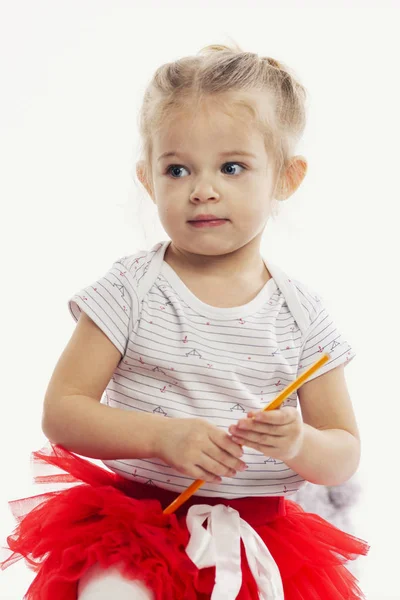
(229, 153)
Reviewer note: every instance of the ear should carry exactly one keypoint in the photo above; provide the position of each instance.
(140, 172)
(292, 178)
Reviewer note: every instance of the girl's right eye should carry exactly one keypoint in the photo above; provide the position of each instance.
(173, 167)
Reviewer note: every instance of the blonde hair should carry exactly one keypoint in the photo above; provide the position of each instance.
(265, 87)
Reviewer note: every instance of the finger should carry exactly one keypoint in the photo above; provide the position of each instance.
(252, 436)
(214, 466)
(201, 473)
(196, 471)
(264, 428)
(268, 450)
(280, 416)
(224, 441)
(226, 459)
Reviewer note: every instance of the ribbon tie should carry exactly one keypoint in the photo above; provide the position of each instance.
(219, 546)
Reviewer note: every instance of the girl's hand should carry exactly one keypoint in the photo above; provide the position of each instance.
(198, 449)
(277, 433)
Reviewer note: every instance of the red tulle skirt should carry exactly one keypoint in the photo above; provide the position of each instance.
(108, 519)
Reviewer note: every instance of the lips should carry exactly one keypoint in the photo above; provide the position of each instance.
(207, 218)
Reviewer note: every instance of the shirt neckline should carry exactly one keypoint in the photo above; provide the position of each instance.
(263, 296)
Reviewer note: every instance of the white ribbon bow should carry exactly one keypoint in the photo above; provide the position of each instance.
(219, 546)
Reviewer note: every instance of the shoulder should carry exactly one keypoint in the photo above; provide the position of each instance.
(135, 265)
(310, 299)
(134, 262)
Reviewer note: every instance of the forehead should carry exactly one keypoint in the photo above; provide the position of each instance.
(215, 124)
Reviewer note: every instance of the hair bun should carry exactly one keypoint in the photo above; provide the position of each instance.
(234, 49)
(273, 62)
(220, 48)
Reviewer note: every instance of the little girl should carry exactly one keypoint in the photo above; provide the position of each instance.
(176, 351)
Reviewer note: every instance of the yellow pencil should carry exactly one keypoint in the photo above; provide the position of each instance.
(277, 402)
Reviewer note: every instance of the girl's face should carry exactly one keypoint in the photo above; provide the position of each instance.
(206, 173)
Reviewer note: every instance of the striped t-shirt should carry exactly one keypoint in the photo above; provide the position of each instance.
(184, 358)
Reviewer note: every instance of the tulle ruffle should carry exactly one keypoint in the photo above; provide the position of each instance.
(108, 519)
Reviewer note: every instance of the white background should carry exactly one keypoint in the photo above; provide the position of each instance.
(72, 78)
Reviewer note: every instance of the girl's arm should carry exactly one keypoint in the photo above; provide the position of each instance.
(72, 414)
(328, 457)
(331, 449)
(84, 426)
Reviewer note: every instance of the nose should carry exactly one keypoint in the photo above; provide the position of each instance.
(204, 192)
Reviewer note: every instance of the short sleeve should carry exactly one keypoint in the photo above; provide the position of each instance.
(323, 337)
(108, 302)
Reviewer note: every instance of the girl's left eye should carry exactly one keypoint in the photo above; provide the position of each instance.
(237, 164)
(173, 167)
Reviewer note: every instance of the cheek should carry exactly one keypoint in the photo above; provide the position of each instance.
(171, 215)
(170, 195)
(254, 212)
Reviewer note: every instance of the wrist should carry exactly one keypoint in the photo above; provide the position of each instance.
(159, 432)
